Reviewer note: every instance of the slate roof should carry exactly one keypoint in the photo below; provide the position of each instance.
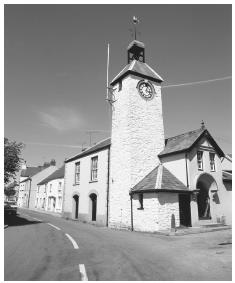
(101, 145)
(137, 68)
(30, 171)
(159, 179)
(227, 176)
(186, 141)
(58, 174)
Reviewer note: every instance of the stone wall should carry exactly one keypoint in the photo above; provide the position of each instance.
(137, 138)
(157, 212)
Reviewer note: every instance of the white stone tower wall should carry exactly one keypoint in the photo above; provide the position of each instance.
(137, 139)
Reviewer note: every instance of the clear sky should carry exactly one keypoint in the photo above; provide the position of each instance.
(55, 71)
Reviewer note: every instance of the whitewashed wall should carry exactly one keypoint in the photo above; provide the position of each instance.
(37, 178)
(176, 164)
(137, 139)
(87, 187)
(157, 212)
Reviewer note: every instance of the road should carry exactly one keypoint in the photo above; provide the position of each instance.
(37, 248)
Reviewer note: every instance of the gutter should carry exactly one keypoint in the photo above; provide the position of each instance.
(161, 191)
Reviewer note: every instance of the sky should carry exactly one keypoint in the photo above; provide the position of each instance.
(55, 60)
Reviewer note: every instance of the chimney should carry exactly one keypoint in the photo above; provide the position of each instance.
(23, 165)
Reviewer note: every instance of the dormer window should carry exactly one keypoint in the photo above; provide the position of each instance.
(212, 161)
(200, 160)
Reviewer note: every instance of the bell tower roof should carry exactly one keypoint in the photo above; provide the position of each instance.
(139, 69)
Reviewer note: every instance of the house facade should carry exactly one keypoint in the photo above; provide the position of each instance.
(28, 186)
(49, 196)
(86, 184)
(139, 180)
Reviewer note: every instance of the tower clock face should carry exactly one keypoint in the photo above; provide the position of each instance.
(145, 89)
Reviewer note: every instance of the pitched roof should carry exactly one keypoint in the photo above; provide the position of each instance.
(101, 145)
(159, 179)
(30, 171)
(227, 176)
(58, 174)
(137, 68)
(186, 141)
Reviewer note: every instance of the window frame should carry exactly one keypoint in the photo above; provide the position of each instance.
(212, 161)
(77, 173)
(141, 201)
(94, 169)
(200, 161)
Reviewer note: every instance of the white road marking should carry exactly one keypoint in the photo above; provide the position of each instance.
(73, 241)
(54, 226)
(82, 270)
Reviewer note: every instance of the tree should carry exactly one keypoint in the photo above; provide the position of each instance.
(12, 159)
(52, 162)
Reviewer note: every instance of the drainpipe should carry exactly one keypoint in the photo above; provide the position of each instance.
(29, 191)
(132, 226)
(107, 194)
(186, 163)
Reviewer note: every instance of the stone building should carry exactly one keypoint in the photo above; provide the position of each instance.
(138, 179)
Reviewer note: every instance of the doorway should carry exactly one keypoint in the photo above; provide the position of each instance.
(205, 184)
(76, 204)
(93, 198)
(185, 210)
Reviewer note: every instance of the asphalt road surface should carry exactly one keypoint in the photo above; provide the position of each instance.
(39, 246)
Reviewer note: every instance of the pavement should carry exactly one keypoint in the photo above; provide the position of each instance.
(44, 247)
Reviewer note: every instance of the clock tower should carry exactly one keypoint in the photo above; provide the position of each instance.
(137, 131)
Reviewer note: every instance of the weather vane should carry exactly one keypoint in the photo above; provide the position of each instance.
(135, 22)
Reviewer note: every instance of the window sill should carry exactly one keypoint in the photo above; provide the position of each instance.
(76, 184)
(140, 208)
(93, 181)
(200, 169)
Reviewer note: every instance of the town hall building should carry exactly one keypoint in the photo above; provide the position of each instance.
(138, 179)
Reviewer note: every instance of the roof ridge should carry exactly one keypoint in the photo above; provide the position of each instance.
(86, 150)
(189, 132)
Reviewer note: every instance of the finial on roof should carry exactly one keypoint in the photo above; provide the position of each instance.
(203, 125)
(135, 22)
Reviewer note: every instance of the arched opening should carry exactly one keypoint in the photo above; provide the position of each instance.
(205, 184)
(75, 206)
(93, 198)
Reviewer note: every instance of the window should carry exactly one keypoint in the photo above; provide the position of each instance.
(94, 168)
(141, 202)
(59, 202)
(50, 187)
(77, 173)
(199, 160)
(212, 161)
(60, 187)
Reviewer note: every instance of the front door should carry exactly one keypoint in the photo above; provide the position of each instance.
(184, 209)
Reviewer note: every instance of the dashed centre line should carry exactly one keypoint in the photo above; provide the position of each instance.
(82, 270)
(75, 245)
(54, 226)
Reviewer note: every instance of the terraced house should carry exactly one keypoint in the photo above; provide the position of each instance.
(49, 195)
(138, 179)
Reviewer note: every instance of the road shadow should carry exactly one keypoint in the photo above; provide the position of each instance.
(16, 220)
